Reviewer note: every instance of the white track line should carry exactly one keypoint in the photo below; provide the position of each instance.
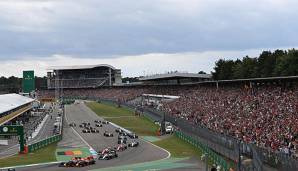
(8, 155)
(8, 149)
(77, 133)
(169, 154)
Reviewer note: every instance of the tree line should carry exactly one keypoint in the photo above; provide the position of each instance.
(267, 64)
(14, 84)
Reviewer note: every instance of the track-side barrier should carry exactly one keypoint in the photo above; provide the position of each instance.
(43, 143)
(214, 157)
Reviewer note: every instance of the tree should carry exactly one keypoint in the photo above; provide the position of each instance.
(268, 64)
(223, 69)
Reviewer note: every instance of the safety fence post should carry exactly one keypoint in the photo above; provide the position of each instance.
(214, 157)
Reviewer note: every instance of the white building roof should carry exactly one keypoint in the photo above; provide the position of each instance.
(80, 67)
(161, 96)
(175, 74)
(12, 101)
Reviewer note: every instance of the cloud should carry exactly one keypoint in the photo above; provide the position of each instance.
(136, 65)
(109, 29)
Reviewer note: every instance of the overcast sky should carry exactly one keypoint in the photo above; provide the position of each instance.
(141, 36)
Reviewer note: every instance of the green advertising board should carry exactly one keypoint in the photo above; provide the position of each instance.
(28, 81)
(15, 130)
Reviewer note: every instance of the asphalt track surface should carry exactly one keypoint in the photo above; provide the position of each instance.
(79, 113)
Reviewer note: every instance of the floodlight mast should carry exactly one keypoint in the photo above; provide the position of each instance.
(58, 85)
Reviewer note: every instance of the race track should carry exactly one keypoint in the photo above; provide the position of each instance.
(79, 113)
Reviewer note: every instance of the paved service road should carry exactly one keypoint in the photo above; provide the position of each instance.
(79, 113)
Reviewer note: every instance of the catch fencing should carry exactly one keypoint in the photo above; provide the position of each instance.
(214, 157)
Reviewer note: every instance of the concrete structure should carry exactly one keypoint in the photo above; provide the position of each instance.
(83, 76)
(175, 78)
(13, 105)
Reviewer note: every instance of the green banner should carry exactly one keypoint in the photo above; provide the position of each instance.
(28, 81)
(43, 143)
(16, 130)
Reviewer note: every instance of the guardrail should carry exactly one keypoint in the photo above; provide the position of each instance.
(214, 157)
(43, 143)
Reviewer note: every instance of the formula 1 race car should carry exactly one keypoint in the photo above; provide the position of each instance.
(105, 151)
(105, 122)
(86, 131)
(121, 141)
(97, 121)
(122, 137)
(78, 162)
(108, 134)
(86, 161)
(132, 135)
(72, 124)
(98, 125)
(118, 130)
(84, 125)
(93, 130)
(123, 133)
(133, 144)
(121, 147)
(108, 156)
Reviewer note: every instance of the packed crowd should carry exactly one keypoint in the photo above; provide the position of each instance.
(79, 83)
(264, 115)
(115, 94)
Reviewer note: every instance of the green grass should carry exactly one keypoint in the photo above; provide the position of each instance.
(40, 156)
(109, 110)
(178, 148)
(138, 124)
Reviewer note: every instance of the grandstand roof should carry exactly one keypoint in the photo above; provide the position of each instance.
(80, 67)
(11, 101)
(175, 75)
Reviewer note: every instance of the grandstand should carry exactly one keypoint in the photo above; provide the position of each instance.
(172, 78)
(83, 76)
(18, 110)
(12, 106)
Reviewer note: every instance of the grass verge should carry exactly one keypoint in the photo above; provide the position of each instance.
(43, 155)
(109, 110)
(138, 124)
(178, 148)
